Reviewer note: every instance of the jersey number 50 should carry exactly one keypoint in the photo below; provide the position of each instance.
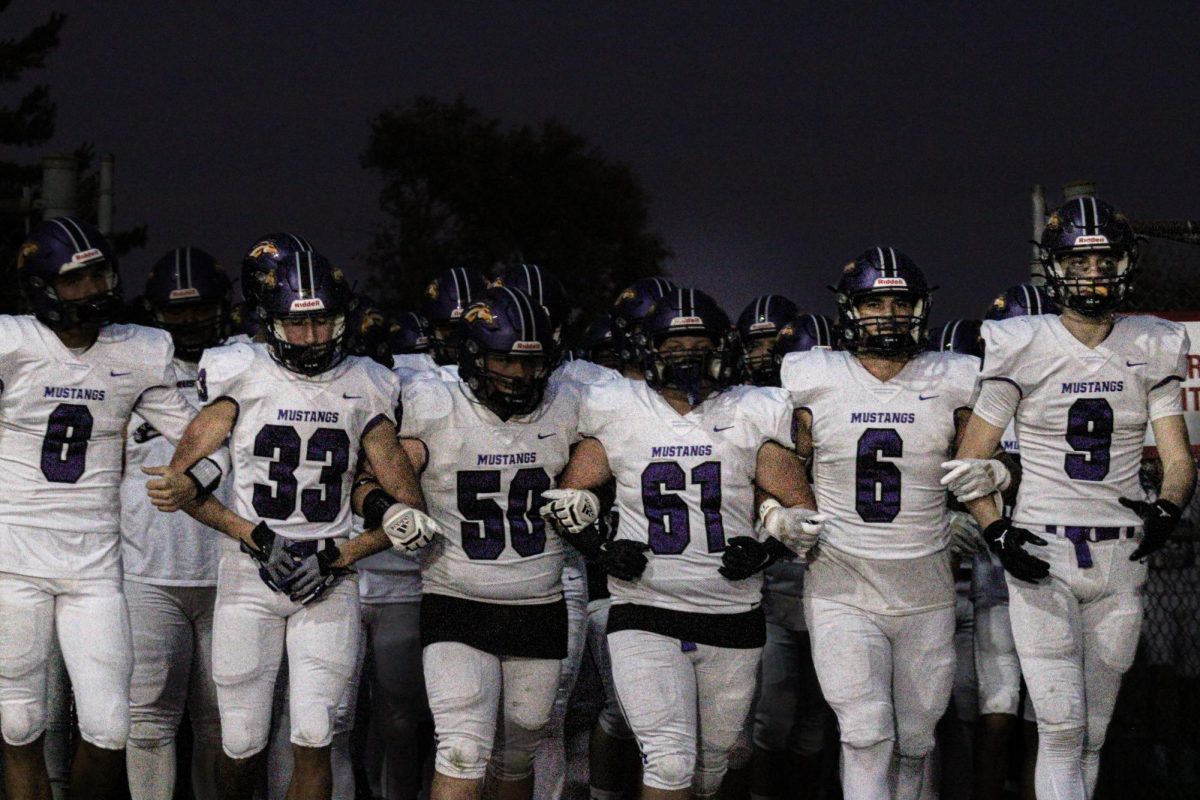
(483, 537)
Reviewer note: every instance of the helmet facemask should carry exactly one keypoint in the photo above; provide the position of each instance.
(308, 358)
(887, 335)
(193, 334)
(93, 311)
(1091, 296)
(759, 362)
(694, 370)
(508, 393)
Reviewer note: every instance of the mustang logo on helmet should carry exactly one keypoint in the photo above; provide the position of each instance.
(482, 313)
(27, 249)
(431, 291)
(264, 249)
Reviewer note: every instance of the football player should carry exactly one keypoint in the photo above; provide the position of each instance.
(550, 761)
(170, 563)
(71, 381)
(408, 338)
(1081, 387)
(298, 412)
(597, 346)
(997, 665)
(446, 297)
(493, 618)
(686, 627)
(758, 328)
(877, 418)
(790, 715)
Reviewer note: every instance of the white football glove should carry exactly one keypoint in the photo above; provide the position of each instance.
(570, 509)
(972, 478)
(407, 528)
(966, 537)
(798, 528)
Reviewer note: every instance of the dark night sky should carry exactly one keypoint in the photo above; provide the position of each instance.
(777, 140)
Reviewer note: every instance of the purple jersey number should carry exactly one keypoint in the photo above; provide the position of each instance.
(877, 483)
(1089, 433)
(280, 444)
(669, 530)
(483, 535)
(64, 450)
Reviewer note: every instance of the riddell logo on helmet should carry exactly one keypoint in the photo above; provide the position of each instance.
(311, 304)
(762, 326)
(899, 283)
(183, 294)
(1079, 240)
(687, 321)
(86, 255)
(527, 347)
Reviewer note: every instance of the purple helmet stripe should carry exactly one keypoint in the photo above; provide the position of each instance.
(71, 230)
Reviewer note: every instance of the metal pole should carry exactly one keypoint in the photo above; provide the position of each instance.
(60, 182)
(1038, 197)
(104, 204)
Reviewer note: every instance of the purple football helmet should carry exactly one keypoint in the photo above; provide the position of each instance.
(758, 327)
(1083, 226)
(263, 256)
(1021, 300)
(806, 332)
(446, 298)
(688, 312)
(305, 286)
(631, 307)
(958, 336)
(597, 343)
(189, 278)
(882, 271)
(408, 333)
(508, 324)
(542, 286)
(56, 248)
(367, 332)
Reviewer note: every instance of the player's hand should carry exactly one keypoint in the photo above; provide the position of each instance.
(1007, 540)
(972, 478)
(1159, 518)
(797, 528)
(407, 528)
(313, 575)
(269, 550)
(169, 491)
(966, 537)
(624, 559)
(745, 556)
(570, 509)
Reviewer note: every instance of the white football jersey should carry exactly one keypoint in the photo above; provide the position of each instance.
(685, 486)
(158, 548)
(1081, 421)
(63, 416)
(296, 441)
(583, 373)
(879, 446)
(483, 484)
(409, 364)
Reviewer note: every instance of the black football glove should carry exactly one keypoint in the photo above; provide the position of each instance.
(624, 559)
(274, 561)
(1006, 540)
(745, 556)
(313, 575)
(1160, 519)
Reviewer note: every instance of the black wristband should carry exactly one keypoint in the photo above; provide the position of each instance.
(374, 506)
(206, 474)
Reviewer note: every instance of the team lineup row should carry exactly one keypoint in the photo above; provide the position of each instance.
(678, 458)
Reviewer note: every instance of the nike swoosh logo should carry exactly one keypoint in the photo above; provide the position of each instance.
(927, 396)
(351, 396)
(118, 374)
(546, 435)
(1135, 363)
(718, 430)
